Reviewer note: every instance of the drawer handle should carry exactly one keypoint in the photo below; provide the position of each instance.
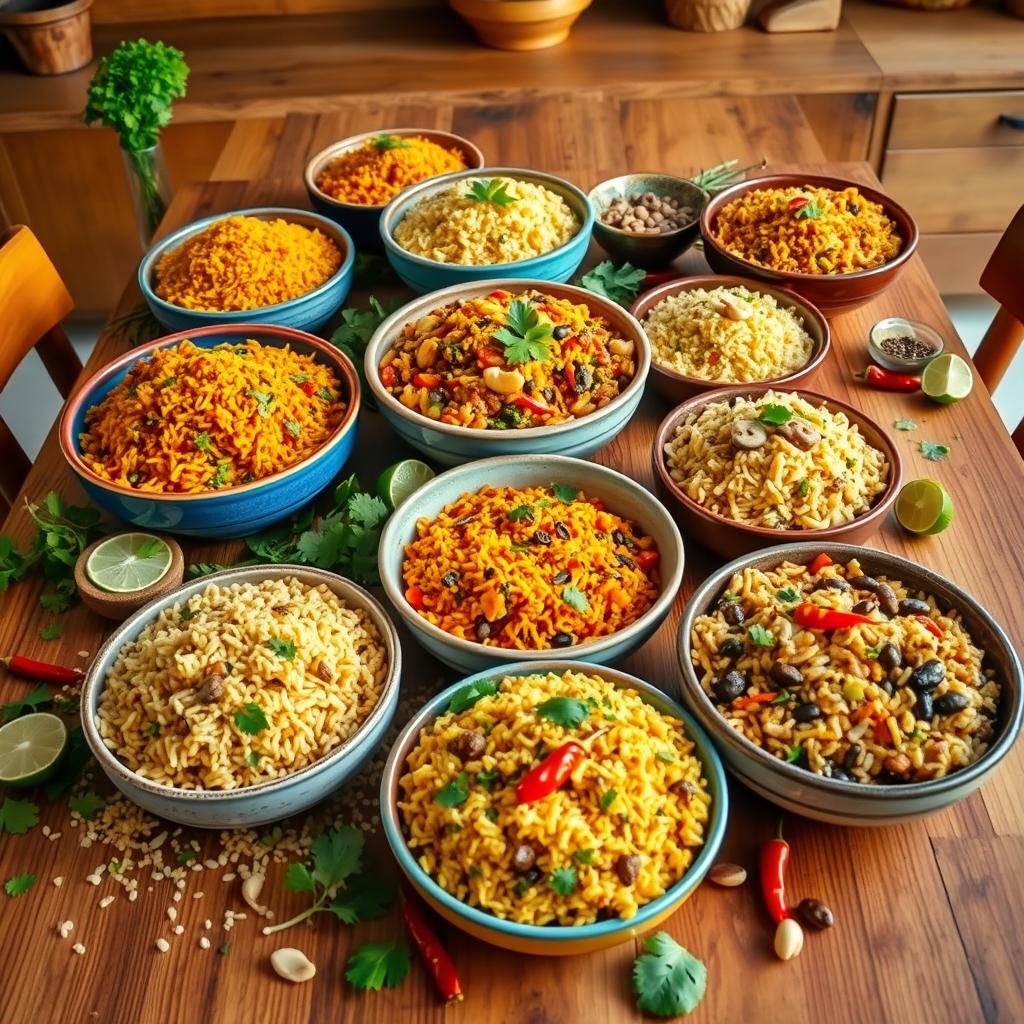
(1014, 121)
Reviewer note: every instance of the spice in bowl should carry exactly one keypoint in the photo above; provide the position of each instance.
(647, 214)
(904, 345)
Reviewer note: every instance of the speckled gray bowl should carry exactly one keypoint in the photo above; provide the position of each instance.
(851, 803)
(266, 801)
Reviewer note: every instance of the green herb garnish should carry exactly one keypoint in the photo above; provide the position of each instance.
(264, 400)
(563, 881)
(567, 712)
(186, 855)
(18, 816)
(383, 142)
(251, 719)
(455, 793)
(934, 452)
(620, 284)
(774, 415)
(584, 856)
(563, 492)
(525, 336)
(19, 884)
(520, 512)
(904, 424)
(378, 964)
(490, 190)
(788, 594)
(576, 599)
(466, 696)
(667, 979)
(794, 753)
(761, 636)
(608, 798)
(284, 649)
(36, 698)
(86, 805)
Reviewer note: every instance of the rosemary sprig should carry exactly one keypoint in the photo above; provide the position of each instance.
(138, 325)
(721, 176)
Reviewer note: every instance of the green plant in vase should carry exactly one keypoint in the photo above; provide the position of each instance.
(132, 92)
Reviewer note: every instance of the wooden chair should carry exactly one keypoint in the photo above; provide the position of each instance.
(1003, 279)
(33, 302)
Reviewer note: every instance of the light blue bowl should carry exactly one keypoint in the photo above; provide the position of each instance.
(555, 940)
(622, 496)
(231, 511)
(266, 801)
(423, 275)
(450, 444)
(308, 312)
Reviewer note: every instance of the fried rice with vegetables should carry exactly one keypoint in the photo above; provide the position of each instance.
(849, 676)
(621, 831)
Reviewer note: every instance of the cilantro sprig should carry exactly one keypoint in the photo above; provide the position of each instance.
(251, 719)
(563, 881)
(18, 816)
(933, 451)
(19, 884)
(354, 333)
(466, 696)
(567, 712)
(383, 142)
(490, 190)
(668, 980)
(378, 964)
(525, 336)
(620, 284)
(774, 415)
(455, 792)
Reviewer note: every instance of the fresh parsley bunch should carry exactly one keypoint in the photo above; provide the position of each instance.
(620, 284)
(525, 336)
(354, 333)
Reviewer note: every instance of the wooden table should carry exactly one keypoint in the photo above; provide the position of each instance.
(927, 926)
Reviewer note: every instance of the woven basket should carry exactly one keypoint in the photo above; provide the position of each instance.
(707, 15)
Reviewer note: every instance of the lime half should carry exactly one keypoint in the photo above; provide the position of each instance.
(924, 507)
(128, 562)
(397, 482)
(30, 748)
(947, 379)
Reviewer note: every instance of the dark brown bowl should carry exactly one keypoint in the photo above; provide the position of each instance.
(677, 387)
(732, 539)
(831, 293)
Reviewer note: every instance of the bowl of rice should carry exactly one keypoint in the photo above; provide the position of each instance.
(744, 466)
(710, 331)
(835, 242)
(216, 432)
(267, 265)
(508, 368)
(351, 181)
(848, 684)
(473, 226)
(557, 873)
(533, 558)
(244, 696)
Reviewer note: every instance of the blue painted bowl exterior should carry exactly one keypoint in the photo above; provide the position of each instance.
(308, 312)
(555, 940)
(234, 511)
(622, 496)
(267, 801)
(423, 275)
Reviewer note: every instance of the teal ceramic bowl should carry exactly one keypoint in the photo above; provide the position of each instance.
(555, 940)
(620, 494)
(451, 444)
(308, 312)
(423, 275)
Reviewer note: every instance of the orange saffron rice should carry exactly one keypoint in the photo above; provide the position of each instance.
(243, 263)
(190, 419)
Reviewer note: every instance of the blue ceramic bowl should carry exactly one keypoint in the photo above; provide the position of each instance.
(363, 222)
(308, 312)
(266, 801)
(451, 444)
(231, 511)
(555, 940)
(622, 496)
(423, 275)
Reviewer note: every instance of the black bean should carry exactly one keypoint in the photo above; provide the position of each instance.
(831, 583)
(562, 577)
(733, 613)
(928, 675)
(806, 712)
(868, 583)
(449, 579)
(625, 560)
(815, 913)
(950, 703)
(490, 572)
(619, 537)
(562, 530)
(731, 648)
(852, 756)
(542, 537)
(887, 599)
(482, 629)
(854, 208)
(924, 706)
(841, 774)
(549, 394)
(627, 867)
(562, 640)
(533, 876)
(912, 606)
(560, 332)
(886, 685)
(890, 657)
(523, 858)
(529, 387)
(582, 379)
(729, 686)
(865, 607)
(785, 675)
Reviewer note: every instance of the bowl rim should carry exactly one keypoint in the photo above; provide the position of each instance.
(690, 282)
(676, 180)
(334, 357)
(710, 213)
(379, 343)
(712, 770)
(338, 234)
(398, 207)
(316, 163)
(94, 681)
(878, 511)
(392, 541)
(700, 600)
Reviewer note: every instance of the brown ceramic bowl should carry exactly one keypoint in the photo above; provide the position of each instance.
(732, 539)
(677, 387)
(831, 293)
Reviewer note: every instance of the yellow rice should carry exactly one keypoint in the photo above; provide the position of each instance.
(153, 714)
(243, 263)
(190, 419)
(639, 793)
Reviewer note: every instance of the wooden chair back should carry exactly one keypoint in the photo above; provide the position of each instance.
(33, 302)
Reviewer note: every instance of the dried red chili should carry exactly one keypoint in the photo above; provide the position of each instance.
(931, 625)
(42, 671)
(432, 953)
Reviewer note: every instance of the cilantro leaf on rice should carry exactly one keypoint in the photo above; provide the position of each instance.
(251, 719)
(466, 696)
(563, 881)
(567, 712)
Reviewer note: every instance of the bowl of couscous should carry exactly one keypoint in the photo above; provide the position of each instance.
(473, 226)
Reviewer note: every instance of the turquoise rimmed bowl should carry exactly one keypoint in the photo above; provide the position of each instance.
(308, 312)
(423, 275)
(554, 940)
(230, 511)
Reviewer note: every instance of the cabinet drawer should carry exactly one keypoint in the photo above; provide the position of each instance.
(955, 262)
(932, 120)
(957, 189)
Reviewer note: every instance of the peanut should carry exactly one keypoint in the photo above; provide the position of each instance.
(292, 964)
(728, 875)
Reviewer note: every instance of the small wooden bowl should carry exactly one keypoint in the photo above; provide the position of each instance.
(119, 606)
(526, 25)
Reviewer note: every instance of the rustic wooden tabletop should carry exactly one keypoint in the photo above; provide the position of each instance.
(927, 927)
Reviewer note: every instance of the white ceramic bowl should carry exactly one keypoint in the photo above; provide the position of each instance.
(622, 496)
(266, 801)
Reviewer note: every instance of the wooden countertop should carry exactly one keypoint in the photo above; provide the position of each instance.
(253, 67)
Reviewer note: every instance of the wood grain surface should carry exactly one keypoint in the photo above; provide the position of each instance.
(926, 912)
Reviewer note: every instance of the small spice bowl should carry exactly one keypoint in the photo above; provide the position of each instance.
(894, 334)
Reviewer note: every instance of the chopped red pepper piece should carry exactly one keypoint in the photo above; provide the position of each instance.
(812, 616)
(415, 597)
(647, 559)
(489, 357)
(498, 294)
(757, 698)
(798, 203)
(526, 402)
(388, 377)
(426, 380)
(819, 563)
(307, 387)
(931, 625)
(881, 731)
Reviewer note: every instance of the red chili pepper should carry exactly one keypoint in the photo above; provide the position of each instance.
(647, 559)
(498, 294)
(489, 357)
(570, 378)
(597, 503)
(388, 377)
(547, 776)
(819, 563)
(812, 616)
(881, 732)
(42, 671)
(887, 380)
(757, 698)
(307, 387)
(773, 861)
(798, 203)
(432, 953)
(526, 402)
(426, 380)
(713, 358)
(931, 625)
(415, 597)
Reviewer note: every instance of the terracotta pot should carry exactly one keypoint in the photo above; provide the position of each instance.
(707, 15)
(520, 24)
(50, 37)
